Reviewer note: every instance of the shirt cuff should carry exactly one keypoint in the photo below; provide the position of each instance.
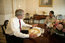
(27, 36)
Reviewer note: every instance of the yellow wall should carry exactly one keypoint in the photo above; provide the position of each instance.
(18, 4)
(8, 7)
(32, 6)
(2, 16)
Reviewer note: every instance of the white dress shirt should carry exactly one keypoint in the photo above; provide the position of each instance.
(13, 28)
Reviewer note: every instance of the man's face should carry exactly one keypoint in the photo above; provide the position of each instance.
(21, 16)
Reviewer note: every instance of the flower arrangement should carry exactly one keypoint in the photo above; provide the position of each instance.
(57, 27)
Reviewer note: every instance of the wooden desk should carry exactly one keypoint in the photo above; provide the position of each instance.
(38, 17)
(47, 38)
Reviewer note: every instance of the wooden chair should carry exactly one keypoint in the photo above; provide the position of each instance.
(60, 16)
(4, 26)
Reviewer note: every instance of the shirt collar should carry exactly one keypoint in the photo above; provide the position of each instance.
(18, 19)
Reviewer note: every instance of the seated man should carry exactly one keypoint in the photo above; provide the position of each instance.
(15, 26)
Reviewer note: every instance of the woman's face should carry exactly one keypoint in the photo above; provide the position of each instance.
(50, 14)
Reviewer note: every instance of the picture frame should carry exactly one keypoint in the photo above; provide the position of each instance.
(45, 3)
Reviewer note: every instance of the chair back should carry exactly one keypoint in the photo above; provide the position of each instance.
(60, 16)
(4, 26)
(3, 29)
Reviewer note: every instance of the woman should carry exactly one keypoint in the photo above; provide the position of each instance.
(50, 18)
(48, 21)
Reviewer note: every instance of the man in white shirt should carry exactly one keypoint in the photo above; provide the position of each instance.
(15, 26)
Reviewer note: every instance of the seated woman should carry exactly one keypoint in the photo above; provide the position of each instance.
(50, 18)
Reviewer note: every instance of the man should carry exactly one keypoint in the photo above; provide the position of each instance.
(15, 26)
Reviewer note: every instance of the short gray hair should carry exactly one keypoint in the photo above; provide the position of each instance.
(18, 12)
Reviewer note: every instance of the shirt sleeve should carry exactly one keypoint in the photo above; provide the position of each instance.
(17, 32)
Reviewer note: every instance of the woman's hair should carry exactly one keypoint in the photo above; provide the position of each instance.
(52, 12)
(18, 12)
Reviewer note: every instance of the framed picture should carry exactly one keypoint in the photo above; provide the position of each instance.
(45, 3)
